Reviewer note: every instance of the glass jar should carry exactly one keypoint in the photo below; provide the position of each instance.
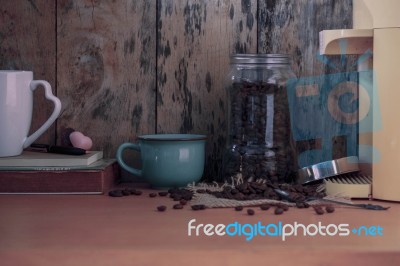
(260, 144)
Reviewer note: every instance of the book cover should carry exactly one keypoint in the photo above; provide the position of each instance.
(93, 179)
(44, 159)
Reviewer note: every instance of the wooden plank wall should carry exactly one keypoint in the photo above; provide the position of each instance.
(126, 68)
(196, 38)
(27, 42)
(293, 27)
(106, 62)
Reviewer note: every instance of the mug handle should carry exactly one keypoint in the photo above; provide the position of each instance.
(121, 162)
(56, 112)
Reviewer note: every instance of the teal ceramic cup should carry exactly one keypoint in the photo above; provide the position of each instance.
(168, 160)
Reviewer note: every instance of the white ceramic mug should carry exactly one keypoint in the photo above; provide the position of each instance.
(16, 106)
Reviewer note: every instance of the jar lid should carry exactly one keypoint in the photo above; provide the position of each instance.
(326, 169)
(260, 59)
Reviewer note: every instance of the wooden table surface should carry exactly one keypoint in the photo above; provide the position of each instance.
(101, 230)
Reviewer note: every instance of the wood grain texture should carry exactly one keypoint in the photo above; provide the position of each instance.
(126, 68)
(195, 40)
(292, 27)
(27, 42)
(106, 69)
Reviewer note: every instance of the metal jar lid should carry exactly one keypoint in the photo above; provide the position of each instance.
(326, 169)
(260, 59)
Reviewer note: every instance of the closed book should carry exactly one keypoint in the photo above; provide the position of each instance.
(96, 178)
(36, 158)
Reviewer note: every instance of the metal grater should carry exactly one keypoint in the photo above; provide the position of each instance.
(352, 185)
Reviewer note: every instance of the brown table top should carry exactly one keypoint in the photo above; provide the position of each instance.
(100, 230)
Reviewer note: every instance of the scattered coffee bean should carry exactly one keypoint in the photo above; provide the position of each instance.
(177, 197)
(163, 193)
(126, 192)
(153, 195)
(137, 192)
(171, 190)
(183, 201)
(238, 208)
(178, 206)
(195, 207)
(250, 212)
(198, 207)
(318, 210)
(187, 197)
(161, 208)
(234, 191)
(329, 209)
(284, 207)
(178, 194)
(265, 207)
(278, 210)
(115, 193)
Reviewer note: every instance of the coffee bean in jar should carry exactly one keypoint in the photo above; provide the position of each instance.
(260, 144)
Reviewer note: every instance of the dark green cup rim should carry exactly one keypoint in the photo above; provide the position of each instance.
(172, 137)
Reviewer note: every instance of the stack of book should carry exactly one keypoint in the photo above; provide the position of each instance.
(36, 172)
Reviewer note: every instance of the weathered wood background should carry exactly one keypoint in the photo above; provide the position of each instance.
(126, 68)
(28, 42)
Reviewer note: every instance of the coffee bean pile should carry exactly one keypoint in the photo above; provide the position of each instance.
(245, 191)
(259, 133)
(266, 190)
(257, 191)
(178, 194)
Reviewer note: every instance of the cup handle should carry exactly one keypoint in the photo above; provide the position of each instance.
(56, 112)
(121, 162)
